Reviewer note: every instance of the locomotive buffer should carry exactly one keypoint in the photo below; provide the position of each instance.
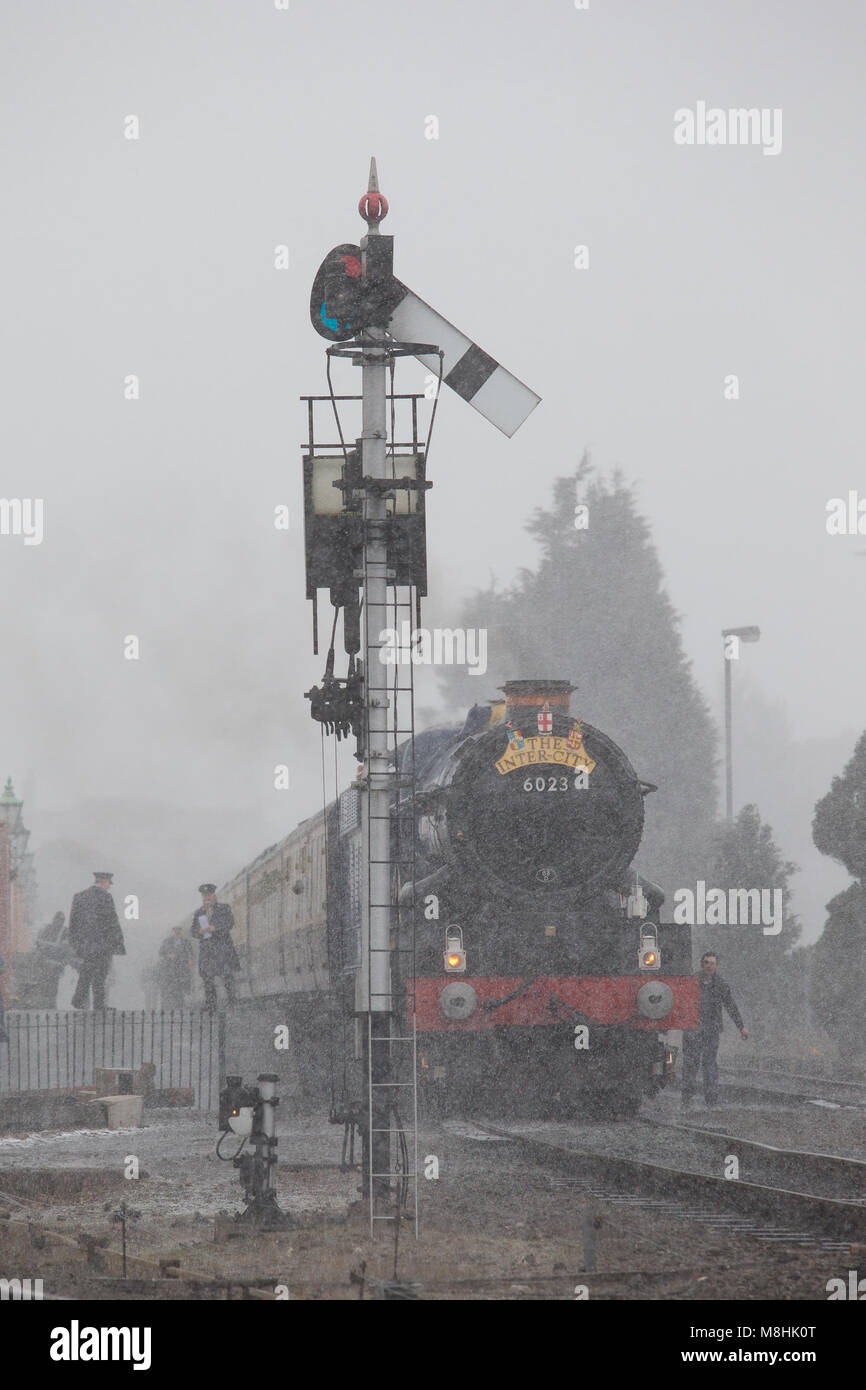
(365, 534)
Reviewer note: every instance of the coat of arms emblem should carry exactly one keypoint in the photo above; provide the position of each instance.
(575, 737)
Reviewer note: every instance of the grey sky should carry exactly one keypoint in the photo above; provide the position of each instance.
(155, 257)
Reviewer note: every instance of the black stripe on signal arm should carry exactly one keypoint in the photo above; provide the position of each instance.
(470, 372)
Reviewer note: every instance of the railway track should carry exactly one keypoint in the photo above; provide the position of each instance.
(800, 1087)
(753, 1207)
(822, 1175)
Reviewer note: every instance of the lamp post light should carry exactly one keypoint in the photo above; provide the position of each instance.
(732, 636)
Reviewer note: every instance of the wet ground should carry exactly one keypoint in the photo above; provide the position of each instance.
(493, 1224)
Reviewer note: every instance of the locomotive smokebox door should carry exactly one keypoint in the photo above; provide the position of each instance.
(542, 803)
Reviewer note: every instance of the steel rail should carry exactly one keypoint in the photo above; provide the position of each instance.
(812, 1167)
(833, 1217)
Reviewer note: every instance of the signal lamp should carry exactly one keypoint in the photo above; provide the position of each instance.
(649, 956)
(455, 956)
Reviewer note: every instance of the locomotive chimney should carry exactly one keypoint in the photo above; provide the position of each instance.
(528, 697)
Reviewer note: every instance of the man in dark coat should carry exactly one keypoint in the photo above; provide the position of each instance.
(174, 969)
(211, 928)
(701, 1046)
(95, 934)
(50, 957)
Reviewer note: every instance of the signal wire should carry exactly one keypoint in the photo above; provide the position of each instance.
(229, 1158)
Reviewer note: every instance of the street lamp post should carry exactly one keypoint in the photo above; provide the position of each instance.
(731, 653)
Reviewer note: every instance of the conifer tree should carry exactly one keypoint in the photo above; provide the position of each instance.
(764, 971)
(594, 610)
(838, 991)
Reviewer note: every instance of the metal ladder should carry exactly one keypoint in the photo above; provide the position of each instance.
(399, 1093)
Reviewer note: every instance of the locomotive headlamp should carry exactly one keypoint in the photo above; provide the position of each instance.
(455, 956)
(649, 956)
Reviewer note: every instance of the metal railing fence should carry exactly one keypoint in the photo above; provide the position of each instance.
(49, 1051)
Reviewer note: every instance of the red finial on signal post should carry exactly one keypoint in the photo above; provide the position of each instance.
(373, 205)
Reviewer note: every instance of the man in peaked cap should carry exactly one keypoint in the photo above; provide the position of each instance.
(95, 934)
(211, 927)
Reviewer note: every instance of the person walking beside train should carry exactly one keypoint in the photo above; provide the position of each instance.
(701, 1045)
(211, 927)
(95, 935)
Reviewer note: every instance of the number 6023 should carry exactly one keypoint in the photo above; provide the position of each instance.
(548, 784)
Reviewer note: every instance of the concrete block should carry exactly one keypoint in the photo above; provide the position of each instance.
(112, 1081)
(123, 1111)
(124, 1081)
(174, 1096)
(34, 1110)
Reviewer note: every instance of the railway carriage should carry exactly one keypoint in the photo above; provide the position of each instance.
(280, 904)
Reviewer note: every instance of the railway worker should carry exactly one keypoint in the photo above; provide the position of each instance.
(701, 1045)
(174, 969)
(212, 927)
(95, 935)
(47, 962)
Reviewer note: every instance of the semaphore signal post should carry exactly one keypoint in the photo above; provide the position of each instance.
(365, 541)
(373, 999)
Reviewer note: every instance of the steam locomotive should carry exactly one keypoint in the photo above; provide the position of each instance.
(529, 959)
